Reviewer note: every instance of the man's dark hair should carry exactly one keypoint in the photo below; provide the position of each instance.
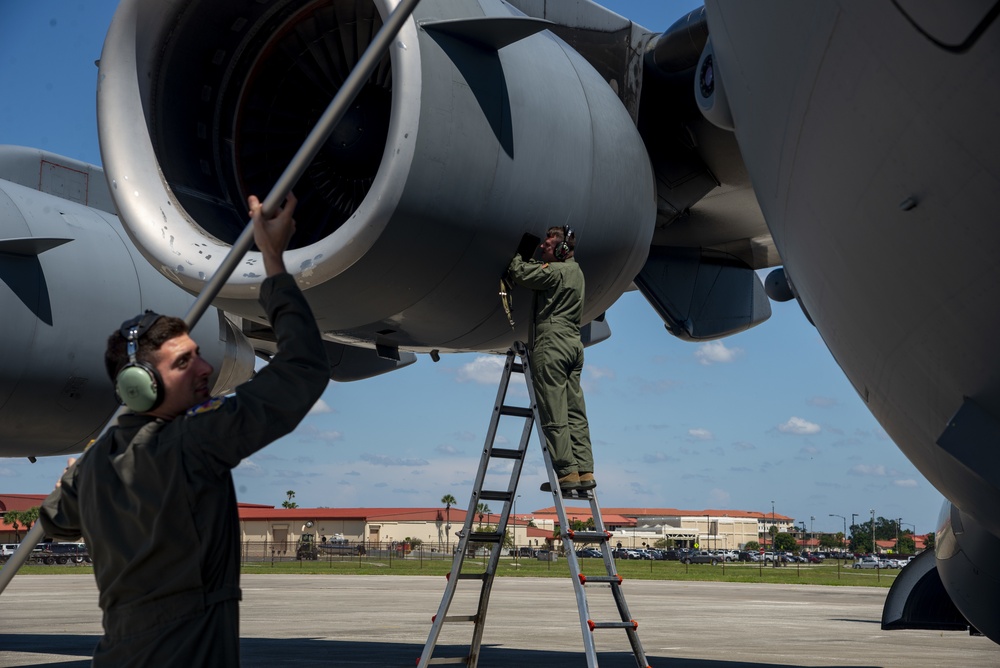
(164, 329)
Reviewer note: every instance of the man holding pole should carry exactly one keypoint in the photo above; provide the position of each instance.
(154, 497)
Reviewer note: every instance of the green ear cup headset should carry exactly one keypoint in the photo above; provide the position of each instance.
(138, 385)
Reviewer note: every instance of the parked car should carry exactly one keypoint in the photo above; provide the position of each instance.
(589, 553)
(701, 557)
(866, 562)
(63, 553)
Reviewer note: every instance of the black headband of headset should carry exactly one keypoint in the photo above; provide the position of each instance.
(140, 323)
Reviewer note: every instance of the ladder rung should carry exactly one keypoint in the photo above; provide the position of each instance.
(610, 579)
(517, 411)
(472, 576)
(459, 618)
(448, 659)
(484, 537)
(494, 495)
(612, 625)
(506, 453)
(588, 536)
(517, 367)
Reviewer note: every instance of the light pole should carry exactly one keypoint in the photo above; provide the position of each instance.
(853, 515)
(513, 511)
(872, 511)
(843, 544)
(913, 533)
(775, 560)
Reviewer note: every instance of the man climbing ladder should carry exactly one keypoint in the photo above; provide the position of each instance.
(599, 536)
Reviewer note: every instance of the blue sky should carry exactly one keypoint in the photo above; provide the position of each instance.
(762, 416)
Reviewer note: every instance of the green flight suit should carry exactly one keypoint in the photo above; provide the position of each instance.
(557, 359)
(154, 501)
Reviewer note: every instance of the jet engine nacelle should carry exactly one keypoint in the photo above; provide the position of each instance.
(480, 126)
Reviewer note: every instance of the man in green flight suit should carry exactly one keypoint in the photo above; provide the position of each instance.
(557, 356)
(154, 496)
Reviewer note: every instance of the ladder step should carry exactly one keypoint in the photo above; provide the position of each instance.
(517, 411)
(517, 367)
(506, 453)
(588, 536)
(485, 537)
(459, 618)
(494, 495)
(610, 579)
(471, 576)
(612, 625)
(451, 659)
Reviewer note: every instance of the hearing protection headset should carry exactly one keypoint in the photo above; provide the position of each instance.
(138, 385)
(563, 249)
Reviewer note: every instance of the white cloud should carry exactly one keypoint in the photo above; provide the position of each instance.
(446, 449)
(797, 425)
(719, 497)
(699, 434)
(485, 370)
(596, 372)
(906, 483)
(716, 352)
(249, 469)
(383, 460)
(877, 470)
(320, 407)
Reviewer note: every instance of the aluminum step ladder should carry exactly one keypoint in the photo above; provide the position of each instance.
(518, 362)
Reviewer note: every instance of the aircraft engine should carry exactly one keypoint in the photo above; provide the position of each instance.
(967, 564)
(477, 127)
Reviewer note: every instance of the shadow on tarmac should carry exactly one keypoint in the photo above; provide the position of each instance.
(310, 651)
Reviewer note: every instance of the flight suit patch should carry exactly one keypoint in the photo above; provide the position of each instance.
(211, 405)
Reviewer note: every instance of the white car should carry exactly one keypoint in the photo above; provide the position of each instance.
(867, 562)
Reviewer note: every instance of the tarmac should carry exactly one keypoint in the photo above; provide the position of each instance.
(337, 620)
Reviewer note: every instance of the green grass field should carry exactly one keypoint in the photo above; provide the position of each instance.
(812, 574)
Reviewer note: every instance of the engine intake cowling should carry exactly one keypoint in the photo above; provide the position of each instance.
(415, 204)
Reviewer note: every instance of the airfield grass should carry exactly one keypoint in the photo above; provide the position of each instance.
(830, 573)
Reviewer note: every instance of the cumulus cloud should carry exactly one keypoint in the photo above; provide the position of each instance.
(311, 432)
(797, 425)
(716, 352)
(446, 449)
(484, 369)
(464, 436)
(319, 408)
(699, 434)
(744, 445)
(383, 460)
(249, 469)
(877, 470)
(656, 457)
(719, 497)
(596, 372)
(909, 482)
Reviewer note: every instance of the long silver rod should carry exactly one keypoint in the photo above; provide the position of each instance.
(300, 162)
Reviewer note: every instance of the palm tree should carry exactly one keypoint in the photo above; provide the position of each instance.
(481, 510)
(447, 500)
(289, 503)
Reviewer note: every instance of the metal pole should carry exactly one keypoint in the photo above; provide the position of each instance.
(298, 165)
